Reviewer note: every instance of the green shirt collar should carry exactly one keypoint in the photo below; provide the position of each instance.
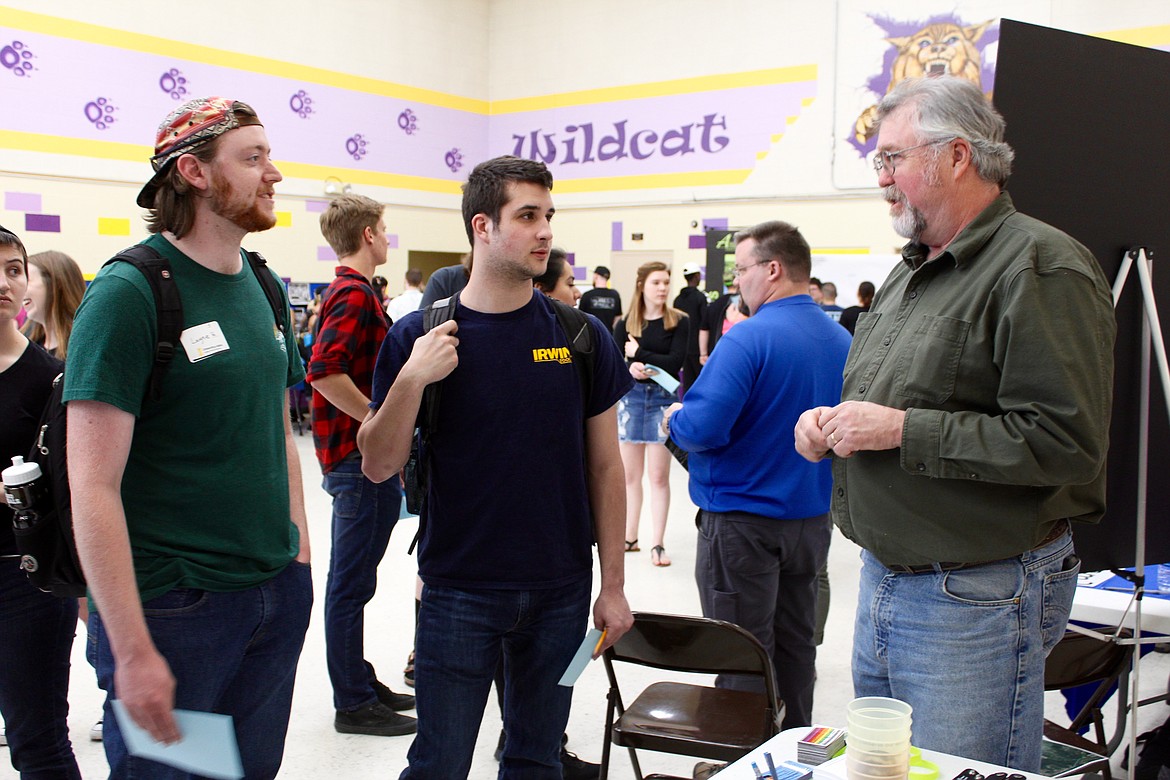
(970, 240)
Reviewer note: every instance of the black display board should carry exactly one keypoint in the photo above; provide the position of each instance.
(720, 259)
(1090, 122)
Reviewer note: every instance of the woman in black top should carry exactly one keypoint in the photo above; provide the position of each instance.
(36, 628)
(654, 338)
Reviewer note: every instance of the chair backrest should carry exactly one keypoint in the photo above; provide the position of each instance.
(692, 644)
(1078, 659)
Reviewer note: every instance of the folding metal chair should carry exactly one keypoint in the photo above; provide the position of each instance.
(688, 719)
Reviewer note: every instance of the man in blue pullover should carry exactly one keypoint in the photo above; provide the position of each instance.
(764, 527)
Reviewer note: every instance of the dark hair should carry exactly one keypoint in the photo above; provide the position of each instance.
(865, 292)
(8, 238)
(547, 281)
(174, 201)
(780, 241)
(486, 190)
(414, 277)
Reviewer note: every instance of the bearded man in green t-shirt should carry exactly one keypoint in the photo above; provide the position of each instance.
(189, 513)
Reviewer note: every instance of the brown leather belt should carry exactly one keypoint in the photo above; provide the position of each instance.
(927, 568)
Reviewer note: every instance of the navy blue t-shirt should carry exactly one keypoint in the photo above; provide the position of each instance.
(508, 505)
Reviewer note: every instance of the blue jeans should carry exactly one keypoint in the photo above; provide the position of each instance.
(364, 514)
(461, 634)
(233, 653)
(966, 649)
(36, 634)
(640, 413)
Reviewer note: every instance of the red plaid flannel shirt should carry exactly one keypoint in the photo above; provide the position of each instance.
(352, 327)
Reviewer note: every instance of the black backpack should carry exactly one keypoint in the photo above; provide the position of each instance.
(575, 325)
(48, 553)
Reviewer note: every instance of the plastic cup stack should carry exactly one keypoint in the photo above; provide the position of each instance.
(878, 739)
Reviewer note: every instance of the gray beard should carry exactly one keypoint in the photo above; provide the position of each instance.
(911, 222)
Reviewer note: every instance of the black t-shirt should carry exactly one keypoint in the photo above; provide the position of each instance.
(692, 301)
(849, 317)
(603, 304)
(24, 390)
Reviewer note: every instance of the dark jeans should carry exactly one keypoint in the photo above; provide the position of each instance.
(461, 634)
(761, 574)
(36, 634)
(233, 653)
(364, 514)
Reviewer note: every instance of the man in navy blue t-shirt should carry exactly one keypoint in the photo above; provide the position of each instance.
(525, 474)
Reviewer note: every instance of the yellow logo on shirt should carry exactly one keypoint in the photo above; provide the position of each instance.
(552, 355)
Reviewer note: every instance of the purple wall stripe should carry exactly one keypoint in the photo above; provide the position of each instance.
(717, 224)
(326, 254)
(392, 240)
(697, 242)
(616, 241)
(316, 206)
(42, 223)
(22, 201)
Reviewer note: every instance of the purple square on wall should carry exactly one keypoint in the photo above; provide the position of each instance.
(326, 254)
(571, 257)
(392, 240)
(697, 242)
(42, 223)
(616, 241)
(715, 224)
(316, 206)
(22, 201)
(579, 272)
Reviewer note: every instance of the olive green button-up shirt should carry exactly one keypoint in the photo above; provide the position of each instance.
(1000, 349)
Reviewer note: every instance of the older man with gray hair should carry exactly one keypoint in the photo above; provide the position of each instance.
(972, 433)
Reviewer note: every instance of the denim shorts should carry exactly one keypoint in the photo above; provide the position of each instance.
(640, 413)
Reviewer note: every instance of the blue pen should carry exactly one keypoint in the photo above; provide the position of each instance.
(756, 769)
(771, 766)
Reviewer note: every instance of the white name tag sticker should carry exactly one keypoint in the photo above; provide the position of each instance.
(203, 341)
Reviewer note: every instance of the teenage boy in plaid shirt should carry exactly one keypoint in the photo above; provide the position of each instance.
(352, 326)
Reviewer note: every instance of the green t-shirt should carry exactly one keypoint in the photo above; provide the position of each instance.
(205, 488)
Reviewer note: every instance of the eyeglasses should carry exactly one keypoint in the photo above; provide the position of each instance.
(883, 159)
(741, 271)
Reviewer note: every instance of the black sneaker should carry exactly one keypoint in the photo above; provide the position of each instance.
(376, 720)
(395, 701)
(500, 745)
(573, 768)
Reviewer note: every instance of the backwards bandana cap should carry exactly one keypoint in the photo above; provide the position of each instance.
(185, 129)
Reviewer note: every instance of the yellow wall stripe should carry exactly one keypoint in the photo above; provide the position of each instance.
(91, 33)
(754, 78)
(113, 150)
(1140, 36)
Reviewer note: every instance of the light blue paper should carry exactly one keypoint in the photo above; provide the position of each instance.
(581, 658)
(664, 380)
(207, 746)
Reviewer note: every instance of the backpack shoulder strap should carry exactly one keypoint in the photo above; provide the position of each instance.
(436, 314)
(167, 304)
(270, 286)
(575, 324)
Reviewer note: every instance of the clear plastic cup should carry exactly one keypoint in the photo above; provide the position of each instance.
(878, 738)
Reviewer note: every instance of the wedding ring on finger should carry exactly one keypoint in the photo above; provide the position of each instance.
(833, 439)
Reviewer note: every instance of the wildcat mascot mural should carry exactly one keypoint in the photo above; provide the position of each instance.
(935, 50)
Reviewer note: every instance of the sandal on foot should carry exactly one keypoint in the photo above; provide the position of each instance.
(658, 556)
(632, 546)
